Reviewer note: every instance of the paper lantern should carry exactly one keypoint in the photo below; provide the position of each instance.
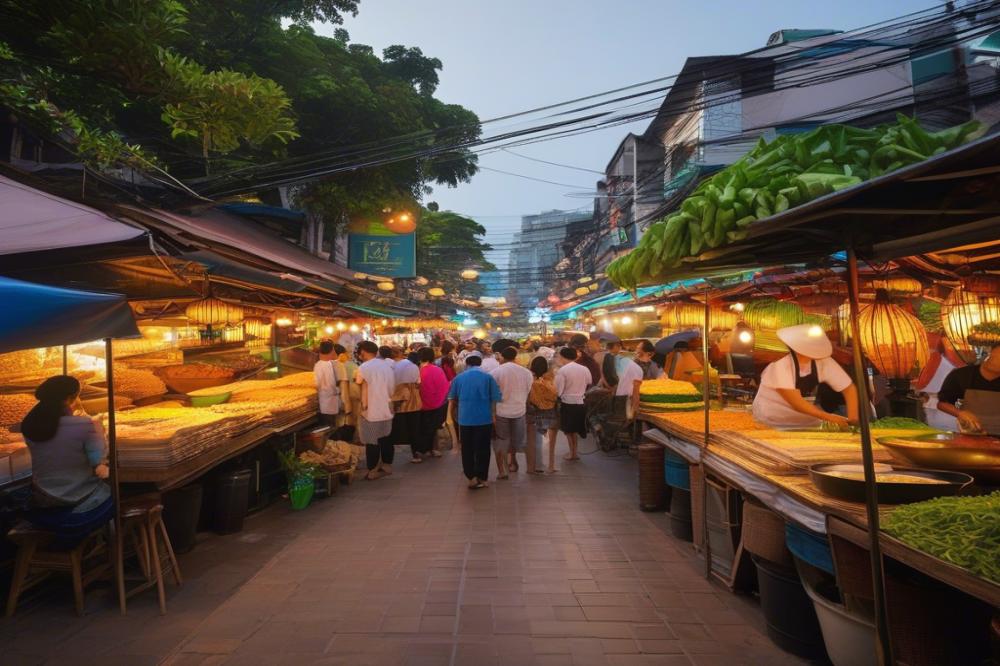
(385, 286)
(258, 328)
(592, 286)
(894, 340)
(469, 274)
(770, 314)
(581, 291)
(403, 223)
(505, 313)
(212, 311)
(962, 311)
(436, 292)
(682, 315)
(585, 279)
(899, 286)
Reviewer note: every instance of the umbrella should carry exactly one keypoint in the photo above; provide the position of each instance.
(666, 345)
(604, 336)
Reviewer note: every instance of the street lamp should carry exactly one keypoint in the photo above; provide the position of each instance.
(469, 274)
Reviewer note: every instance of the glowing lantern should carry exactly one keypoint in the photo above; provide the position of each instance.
(505, 313)
(329, 329)
(899, 286)
(385, 286)
(354, 328)
(469, 274)
(581, 291)
(585, 279)
(684, 315)
(436, 292)
(212, 311)
(592, 286)
(894, 340)
(257, 328)
(962, 311)
(283, 321)
(341, 326)
(403, 223)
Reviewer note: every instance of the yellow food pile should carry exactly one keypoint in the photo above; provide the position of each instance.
(195, 371)
(137, 384)
(14, 407)
(667, 387)
(719, 420)
(334, 454)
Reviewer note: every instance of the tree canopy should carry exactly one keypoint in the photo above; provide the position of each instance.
(447, 244)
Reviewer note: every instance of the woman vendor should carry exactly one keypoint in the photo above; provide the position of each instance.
(784, 384)
(978, 389)
(68, 460)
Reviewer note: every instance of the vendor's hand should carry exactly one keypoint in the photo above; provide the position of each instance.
(837, 420)
(101, 471)
(969, 422)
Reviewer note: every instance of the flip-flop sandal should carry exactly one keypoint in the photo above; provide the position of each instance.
(550, 472)
(376, 475)
(571, 458)
(478, 486)
(416, 461)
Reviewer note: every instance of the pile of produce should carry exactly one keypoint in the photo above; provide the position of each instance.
(195, 370)
(964, 531)
(237, 364)
(773, 177)
(335, 455)
(899, 423)
(14, 407)
(985, 334)
(137, 384)
(669, 395)
(719, 420)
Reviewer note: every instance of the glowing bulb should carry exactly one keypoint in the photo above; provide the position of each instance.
(354, 328)
(617, 320)
(626, 320)
(385, 322)
(604, 322)
(283, 321)
(480, 333)
(737, 307)
(469, 274)
(341, 326)
(168, 335)
(745, 336)
(815, 331)
(329, 329)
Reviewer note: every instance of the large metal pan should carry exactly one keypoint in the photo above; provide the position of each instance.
(977, 455)
(828, 478)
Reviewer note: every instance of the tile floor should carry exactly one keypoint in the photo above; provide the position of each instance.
(417, 570)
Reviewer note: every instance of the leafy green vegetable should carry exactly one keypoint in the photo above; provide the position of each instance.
(899, 423)
(964, 531)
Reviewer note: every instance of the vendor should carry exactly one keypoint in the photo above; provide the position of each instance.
(978, 389)
(781, 399)
(68, 459)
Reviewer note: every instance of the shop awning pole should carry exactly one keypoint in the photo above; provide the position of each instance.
(65, 360)
(883, 647)
(113, 469)
(706, 390)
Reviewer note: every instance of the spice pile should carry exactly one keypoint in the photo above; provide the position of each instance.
(137, 384)
(667, 395)
(964, 531)
(14, 407)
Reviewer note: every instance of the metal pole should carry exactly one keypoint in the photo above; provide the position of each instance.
(706, 389)
(65, 361)
(113, 464)
(883, 647)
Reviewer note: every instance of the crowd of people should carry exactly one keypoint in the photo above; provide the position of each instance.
(489, 399)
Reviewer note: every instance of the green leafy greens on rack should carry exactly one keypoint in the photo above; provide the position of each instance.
(773, 177)
(964, 531)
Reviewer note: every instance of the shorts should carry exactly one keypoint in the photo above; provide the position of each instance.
(510, 434)
(372, 431)
(573, 419)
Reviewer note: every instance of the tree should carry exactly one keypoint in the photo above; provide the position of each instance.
(447, 244)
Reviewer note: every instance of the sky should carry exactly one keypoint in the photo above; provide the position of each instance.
(506, 56)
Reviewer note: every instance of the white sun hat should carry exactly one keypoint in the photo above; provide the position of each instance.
(807, 339)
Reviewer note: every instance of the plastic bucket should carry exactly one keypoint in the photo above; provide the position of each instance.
(680, 514)
(301, 493)
(675, 472)
(849, 638)
(809, 547)
(181, 511)
(232, 496)
(788, 611)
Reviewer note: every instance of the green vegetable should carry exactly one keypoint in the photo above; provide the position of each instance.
(964, 531)
(899, 423)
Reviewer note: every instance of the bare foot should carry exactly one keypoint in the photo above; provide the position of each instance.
(568, 457)
(551, 470)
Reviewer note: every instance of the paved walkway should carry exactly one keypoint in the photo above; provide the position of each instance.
(415, 569)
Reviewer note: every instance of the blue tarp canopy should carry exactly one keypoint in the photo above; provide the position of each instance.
(35, 315)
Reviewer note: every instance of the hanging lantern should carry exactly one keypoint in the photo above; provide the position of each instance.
(212, 311)
(592, 286)
(436, 292)
(401, 223)
(899, 286)
(581, 291)
(962, 311)
(770, 314)
(683, 315)
(894, 340)
(469, 274)
(585, 279)
(258, 328)
(385, 286)
(505, 313)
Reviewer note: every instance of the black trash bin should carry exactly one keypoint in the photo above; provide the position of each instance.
(231, 499)
(181, 511)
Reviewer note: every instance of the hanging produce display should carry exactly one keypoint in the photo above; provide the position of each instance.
(963, 311)
(899, 286)
(212, 311)
(686, 314)
(894, 340)
(770, 314)
(773, 177)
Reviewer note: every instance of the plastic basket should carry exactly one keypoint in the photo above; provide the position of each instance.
(301, 494)
(809, 547)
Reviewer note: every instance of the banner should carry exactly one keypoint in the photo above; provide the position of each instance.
(392, 256)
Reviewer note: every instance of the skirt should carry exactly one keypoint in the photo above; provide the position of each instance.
(372, 431)
(573, 419)
(543, 419)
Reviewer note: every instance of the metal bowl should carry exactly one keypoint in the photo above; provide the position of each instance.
(975, 455)
(829, 483)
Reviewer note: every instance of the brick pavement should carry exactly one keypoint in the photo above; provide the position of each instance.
(417, 570)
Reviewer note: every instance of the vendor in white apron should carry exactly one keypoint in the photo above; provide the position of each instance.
(972, 395)
(785, 384)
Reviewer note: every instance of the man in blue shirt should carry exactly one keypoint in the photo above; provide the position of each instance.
(473, 397)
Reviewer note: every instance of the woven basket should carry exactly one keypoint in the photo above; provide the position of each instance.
(764, 534)
(697, 504)
(652, 487)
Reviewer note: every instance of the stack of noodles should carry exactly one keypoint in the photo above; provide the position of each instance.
(792, 452)
(669, 395)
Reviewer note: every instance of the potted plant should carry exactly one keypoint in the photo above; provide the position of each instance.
(300, 478)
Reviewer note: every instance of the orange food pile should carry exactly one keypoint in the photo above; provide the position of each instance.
(718, 420)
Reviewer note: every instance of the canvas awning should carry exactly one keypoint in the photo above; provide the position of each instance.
(40, 316)
(33, 221)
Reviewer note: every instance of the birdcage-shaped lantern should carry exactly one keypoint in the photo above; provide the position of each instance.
(893, 339)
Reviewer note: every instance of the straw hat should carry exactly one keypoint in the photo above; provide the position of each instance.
(806, 339)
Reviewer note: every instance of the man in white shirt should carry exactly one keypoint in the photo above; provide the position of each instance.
(511, 427)
(490, 362)
(627, 390)
(331, 383)
(572, 380)
(375, 423)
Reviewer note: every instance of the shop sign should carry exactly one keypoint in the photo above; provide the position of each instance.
(392, 256)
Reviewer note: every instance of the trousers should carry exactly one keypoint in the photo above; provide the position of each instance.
(476, 450)
(384, 450)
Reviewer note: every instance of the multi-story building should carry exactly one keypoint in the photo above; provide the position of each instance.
(536, 249)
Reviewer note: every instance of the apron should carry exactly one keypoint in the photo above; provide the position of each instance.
(824, 396)
(807, 385)
(986, 406)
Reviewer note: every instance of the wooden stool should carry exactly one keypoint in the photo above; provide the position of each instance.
(142, 521)
(32, 554)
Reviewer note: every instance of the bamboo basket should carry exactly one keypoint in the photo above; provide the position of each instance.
(764, 534)
(652, 484)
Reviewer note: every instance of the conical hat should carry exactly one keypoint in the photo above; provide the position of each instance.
(806, 339)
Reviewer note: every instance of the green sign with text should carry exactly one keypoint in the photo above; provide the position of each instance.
(392, 256)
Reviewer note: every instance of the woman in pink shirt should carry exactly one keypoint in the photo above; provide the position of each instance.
(434, 387)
